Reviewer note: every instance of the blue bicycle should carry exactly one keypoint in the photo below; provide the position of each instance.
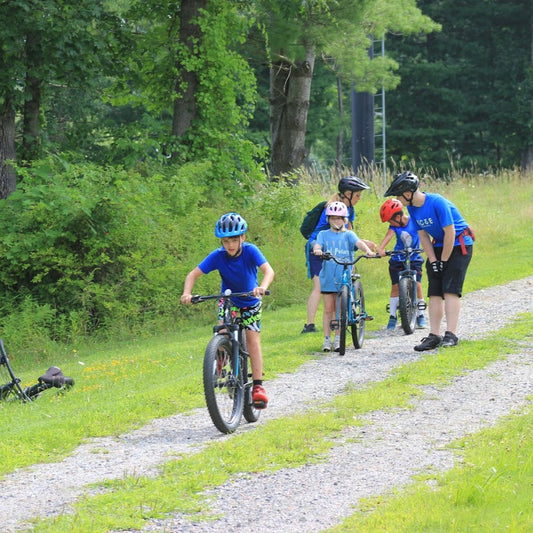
(351, 311)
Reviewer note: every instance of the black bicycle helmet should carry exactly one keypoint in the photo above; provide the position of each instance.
(230, 225)
(404, 182)
(352, 183)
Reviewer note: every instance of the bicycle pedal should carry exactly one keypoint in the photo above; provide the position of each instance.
(368, 318)
(259, 405)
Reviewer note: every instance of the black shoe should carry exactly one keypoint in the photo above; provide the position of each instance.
(309, 328)
(449, 339)
(430, 342)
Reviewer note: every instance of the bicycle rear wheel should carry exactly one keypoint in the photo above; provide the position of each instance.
(343, 322)
(407, 304)
(251, 414)
(223, 389)
(11, 388)
(358, 315)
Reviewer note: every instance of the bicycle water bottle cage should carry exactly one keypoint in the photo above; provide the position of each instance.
(422, 305)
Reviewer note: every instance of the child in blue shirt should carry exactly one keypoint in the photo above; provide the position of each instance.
(237, 263)
(341, 243)
(406, 232)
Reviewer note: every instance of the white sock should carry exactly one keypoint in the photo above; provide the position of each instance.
(393, 305)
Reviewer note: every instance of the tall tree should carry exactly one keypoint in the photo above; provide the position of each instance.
(299, 31)
(465, 96)
(46, 42)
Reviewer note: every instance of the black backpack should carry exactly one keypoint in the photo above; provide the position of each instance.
(311, 220)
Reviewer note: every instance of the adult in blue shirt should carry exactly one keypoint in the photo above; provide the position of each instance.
(237, 263)
(448, 242)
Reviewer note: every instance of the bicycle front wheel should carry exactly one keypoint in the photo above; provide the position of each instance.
(223, 387)
(407, 304)
(358, 315)
(343, 319)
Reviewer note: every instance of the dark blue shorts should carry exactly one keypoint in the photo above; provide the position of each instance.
(395, 267)
(314, 263)
(452, 279)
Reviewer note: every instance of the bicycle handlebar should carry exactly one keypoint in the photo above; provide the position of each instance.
(326, 256)
(225, 296)
(405, 251)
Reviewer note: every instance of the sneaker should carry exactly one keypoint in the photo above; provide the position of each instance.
(392, 322)
(259, 397)
(309, 328)
(336, 343)
(327, 345)
(449, 339)
(430, 342)
(421, 322)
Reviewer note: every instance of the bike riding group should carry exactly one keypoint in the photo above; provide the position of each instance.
(231, 391)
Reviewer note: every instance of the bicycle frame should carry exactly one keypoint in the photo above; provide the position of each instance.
(351, 309)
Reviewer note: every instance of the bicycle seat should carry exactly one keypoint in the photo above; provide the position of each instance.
(55, 378)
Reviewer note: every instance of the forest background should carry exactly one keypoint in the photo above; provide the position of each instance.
(127, 128)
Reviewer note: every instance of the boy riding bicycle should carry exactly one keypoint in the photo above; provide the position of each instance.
(406, 231)
(237, 263)
(341, 243)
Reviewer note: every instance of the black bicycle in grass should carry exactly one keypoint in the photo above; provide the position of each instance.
(13, 390)
(227, 381)
(408, 304)
(351, 310)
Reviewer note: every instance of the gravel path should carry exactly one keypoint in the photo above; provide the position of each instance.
(370, 460)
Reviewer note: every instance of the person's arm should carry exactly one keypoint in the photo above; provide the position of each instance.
(388, 236)
(448, 242)
(268, 277)
(425, 242)
(363, 246)
(188, 286)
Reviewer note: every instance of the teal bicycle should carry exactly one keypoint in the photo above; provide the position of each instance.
(351, 311)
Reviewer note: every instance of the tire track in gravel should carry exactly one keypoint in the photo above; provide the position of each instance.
(45, 490)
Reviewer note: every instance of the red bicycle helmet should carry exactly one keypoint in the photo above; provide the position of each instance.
(389, 209)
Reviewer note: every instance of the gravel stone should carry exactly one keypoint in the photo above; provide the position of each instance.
(373, 459)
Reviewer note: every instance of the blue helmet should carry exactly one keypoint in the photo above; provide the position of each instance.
(230, 225)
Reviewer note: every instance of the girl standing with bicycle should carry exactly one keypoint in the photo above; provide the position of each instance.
(406, 232)
(341, 243)
(237, 263)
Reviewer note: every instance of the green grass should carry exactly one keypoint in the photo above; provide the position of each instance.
(122, 385)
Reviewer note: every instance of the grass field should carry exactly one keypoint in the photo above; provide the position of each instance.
(121, 385)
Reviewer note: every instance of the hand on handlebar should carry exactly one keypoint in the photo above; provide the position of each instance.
(186, 298)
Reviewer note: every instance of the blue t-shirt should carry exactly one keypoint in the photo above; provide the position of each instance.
(323, 223)
(436, 213)
(342, 245)
(239, 274)
(406, 237)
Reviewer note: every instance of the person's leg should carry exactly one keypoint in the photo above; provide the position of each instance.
(452, 308)
(329, 313)
(253, 341)
(436, 312)
(313, 301)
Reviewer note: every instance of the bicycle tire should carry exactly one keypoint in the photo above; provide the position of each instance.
(358, 315)
(224, 392)
(343, 319)
(250, 413)
(407, 304)
(12, 389)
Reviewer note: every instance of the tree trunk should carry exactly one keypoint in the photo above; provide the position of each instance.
(290, 89)
(32, 103)
(8, 180)
(527, 155)
(186, 83)
(338, 162)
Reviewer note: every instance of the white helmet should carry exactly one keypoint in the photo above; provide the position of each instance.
(337, 209)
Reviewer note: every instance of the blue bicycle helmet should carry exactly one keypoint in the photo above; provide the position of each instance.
(230, 225)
